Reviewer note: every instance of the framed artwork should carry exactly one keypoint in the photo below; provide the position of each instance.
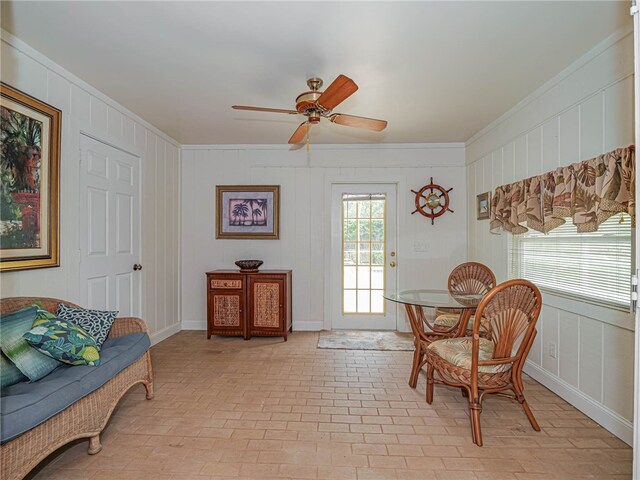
(29, 181)
(483, 206)
(248, 211)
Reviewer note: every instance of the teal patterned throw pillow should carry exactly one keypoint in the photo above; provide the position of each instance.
(29, 361)
(65, 342)
(96, 322)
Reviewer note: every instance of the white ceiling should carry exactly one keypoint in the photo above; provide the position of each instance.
(437, 71)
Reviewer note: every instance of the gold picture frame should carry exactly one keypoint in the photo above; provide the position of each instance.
(483, 206)
(248, 212)
(30, 174)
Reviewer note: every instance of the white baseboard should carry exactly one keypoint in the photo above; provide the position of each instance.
(165, 333)
(308, 326)
(619, 426)
(194, 325)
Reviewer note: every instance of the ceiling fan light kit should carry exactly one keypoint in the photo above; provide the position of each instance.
(315, 104)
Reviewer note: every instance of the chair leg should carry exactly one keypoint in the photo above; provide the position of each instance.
(518, 386)
(415, 369)
(429, 383)
(525, 406)
(474, 413)
(529, 413)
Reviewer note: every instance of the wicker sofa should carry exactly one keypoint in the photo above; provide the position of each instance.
(87, 416)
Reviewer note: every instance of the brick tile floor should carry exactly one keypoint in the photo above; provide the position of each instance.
(263, 409)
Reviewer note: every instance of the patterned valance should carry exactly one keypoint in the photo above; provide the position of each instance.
(588, 192)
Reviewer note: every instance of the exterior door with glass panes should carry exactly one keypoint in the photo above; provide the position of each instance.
(363, 256)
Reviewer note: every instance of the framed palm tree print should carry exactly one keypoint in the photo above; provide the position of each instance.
(248, 212)
(29, 181)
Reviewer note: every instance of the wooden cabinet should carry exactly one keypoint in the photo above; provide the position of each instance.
(249, 304)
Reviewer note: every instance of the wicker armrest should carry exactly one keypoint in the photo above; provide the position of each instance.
(125, 325)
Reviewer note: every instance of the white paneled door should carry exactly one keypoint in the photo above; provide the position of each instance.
(363, 256)
(109, 219)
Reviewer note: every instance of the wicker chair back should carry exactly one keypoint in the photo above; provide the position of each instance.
(471, 277)
(509, 312)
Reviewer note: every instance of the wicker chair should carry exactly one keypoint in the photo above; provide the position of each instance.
(87, 417)
(470, 277)
(490, 365)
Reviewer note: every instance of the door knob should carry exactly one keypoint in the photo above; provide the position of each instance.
(392, 264)
(136, 267)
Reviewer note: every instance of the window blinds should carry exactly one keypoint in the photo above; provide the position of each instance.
(593, 267)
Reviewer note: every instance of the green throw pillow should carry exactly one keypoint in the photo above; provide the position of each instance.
(65, 342)
(29, 361)
(9, 373)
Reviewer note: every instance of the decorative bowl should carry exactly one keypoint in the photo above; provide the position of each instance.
(249, 265)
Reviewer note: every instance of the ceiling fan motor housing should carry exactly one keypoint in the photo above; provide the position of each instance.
(306, 102)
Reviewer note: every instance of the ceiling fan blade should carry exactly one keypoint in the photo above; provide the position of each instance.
(358, 122)
(262, 109)
(336, 93)
(300, 133)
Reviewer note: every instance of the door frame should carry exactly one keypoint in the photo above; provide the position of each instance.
(635, 12)
(329, 182)
(138, 153)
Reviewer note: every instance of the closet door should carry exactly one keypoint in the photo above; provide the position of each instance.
(109, 223)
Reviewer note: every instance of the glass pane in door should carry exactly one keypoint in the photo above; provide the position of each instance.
(363, 253)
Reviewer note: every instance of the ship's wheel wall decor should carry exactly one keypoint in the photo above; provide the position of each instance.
(432, 201)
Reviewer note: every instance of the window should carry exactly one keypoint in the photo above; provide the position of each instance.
(590, 267)
(363, 252)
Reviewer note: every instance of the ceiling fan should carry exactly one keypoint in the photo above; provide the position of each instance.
(315, 104)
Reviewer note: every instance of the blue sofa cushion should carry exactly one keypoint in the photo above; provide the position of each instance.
(26, 405)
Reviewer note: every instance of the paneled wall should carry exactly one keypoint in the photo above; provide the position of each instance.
(305, 222)
(583, 112)
(84, 109)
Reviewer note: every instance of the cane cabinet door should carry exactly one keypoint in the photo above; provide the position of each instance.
(266, 305)
(225, 305)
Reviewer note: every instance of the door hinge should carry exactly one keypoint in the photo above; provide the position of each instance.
(634, 8)
(634, 291)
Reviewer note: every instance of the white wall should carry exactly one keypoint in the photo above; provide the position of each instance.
(84, 109)
(304, 224)
(583, 112)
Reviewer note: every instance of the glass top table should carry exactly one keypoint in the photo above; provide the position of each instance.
(424, 329)
(441, 299)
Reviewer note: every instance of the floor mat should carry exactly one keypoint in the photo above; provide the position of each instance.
(365, 340)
